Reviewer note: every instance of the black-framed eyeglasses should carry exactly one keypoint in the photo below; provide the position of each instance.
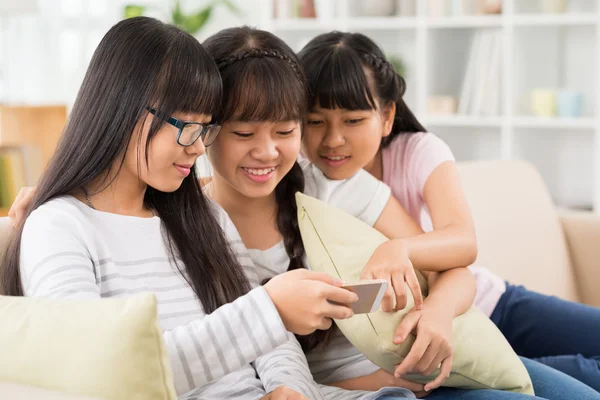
(190, 131)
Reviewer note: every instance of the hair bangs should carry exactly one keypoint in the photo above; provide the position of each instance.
(263, 89)
(189, 82)
(337, 79)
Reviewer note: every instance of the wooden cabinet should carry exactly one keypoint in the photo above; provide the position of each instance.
(28, 138)
(39, 126)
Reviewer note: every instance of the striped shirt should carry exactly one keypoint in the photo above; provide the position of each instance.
(69, 250)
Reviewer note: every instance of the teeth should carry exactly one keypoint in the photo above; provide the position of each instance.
(263, 171)
(336, 158)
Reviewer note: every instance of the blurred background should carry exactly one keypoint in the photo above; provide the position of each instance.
(511, 79)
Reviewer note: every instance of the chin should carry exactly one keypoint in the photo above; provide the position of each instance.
(258, 193)
(337, 174)
(254, 192)
(168, 187)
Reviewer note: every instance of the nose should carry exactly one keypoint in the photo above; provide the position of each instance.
(333, 137)
(265, 149)
(197, 149)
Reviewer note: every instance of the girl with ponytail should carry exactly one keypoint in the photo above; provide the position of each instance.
(358, 120)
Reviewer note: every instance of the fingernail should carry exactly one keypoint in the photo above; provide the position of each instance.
(338, 282)
(398, 338)
(420, 307)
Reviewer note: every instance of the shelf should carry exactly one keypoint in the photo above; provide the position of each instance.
(382, 23)
(538, 51)
(468, 21)
(517, 122)
(471, 21)
(555, 19)
(302, 24)
(554, 123)
(463, 120)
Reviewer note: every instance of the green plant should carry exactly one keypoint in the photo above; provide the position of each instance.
(192, 22)
(398, 64)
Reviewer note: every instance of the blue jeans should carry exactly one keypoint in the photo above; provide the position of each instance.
(548, 384)
(558, 333)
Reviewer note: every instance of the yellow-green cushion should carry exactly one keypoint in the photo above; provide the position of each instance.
(341, 245)
(109, 349)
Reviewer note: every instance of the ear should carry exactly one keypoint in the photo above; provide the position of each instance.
(388, 113)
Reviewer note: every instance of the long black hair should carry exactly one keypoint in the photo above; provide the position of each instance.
(335, 63)
(142, 62)
(263, 81)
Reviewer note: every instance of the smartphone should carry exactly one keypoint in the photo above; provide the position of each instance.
(370, 293)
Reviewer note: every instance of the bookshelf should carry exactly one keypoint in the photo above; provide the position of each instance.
(28, 138)
(538, 49)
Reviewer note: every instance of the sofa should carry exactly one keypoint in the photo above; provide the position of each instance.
(521, 236)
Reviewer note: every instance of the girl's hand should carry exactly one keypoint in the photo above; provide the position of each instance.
(433, 328)
(390, 261)
(308, 300)
(19, 208)
(284, 393)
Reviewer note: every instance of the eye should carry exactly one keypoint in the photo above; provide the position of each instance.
(284, 133)
(243, 134)
(314, 122)
(355, 121)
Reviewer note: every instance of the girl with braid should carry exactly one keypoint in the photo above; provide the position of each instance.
(358, 120)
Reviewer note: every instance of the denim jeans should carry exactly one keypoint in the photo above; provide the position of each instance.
(548, 384)
(558, 333)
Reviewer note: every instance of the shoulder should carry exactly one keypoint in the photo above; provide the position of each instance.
(64, 211)
(413, 153)
(225, 222)
(413, 144)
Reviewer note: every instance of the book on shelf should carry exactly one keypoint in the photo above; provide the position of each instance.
(480, 92)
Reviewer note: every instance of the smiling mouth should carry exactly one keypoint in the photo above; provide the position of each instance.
(259, 171)
(335, 158)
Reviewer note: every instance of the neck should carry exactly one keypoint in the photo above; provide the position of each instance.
(124, 195)
(375, 167)
(239, 206)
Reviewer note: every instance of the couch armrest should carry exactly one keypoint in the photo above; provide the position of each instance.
(21, 392)
(582, 231)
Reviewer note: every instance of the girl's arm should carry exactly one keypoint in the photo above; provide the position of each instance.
(286, 366)
(56, 262)
(452, 242)
(454, 290)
